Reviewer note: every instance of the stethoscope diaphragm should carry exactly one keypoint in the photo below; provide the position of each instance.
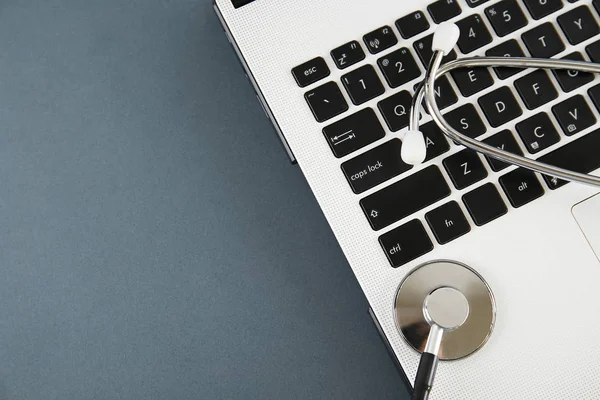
(445, 293)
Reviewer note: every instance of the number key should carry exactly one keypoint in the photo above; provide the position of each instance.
(473, 34)
(506, 17)
(362, 84)
(399, 67)
(465, 168)
(541, 8)
(348, 54)
(423, 48)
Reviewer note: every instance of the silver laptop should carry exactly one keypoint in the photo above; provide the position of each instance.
(336, 79)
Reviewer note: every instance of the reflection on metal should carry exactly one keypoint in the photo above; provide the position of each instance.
(423, 281)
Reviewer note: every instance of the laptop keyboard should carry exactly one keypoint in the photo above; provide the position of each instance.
(386, 66)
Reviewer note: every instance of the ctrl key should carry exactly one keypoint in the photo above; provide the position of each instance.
(406, 243)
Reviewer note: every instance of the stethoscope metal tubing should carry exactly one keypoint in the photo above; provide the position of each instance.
(426, 92)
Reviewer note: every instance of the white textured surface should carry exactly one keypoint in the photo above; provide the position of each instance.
(542, 271)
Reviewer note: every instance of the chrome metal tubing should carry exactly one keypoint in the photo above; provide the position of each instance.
(427, 93)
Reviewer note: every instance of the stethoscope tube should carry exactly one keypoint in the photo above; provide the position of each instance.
(427, 93)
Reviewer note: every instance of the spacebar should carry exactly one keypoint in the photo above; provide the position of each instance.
(580, 155)
(405, 197)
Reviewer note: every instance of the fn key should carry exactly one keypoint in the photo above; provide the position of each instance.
(406, 243)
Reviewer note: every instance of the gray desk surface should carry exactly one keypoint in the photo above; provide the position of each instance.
(154, 241)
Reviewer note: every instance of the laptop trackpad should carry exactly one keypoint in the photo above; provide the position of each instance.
(587, 215)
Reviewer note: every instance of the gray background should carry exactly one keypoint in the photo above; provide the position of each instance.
(155, 242)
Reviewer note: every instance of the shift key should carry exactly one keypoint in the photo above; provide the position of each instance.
(405, 197)
(375, 166)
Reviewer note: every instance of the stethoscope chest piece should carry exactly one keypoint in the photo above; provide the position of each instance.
(451, 295)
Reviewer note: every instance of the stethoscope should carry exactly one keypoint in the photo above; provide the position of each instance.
(445, 309)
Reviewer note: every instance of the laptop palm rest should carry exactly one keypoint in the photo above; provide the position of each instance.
(587, 214)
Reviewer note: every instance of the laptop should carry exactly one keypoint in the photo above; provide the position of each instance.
(336, 79)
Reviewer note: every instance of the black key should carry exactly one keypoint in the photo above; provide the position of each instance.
(380, 39)
(503, 140)
(375, 166)
(594, 93)
(435, 140)
(485, 204)
(405, 197)
(475, 3)
(412, 24)
(443, 10)
(537, 132)
(500, 106)
(348, 54)
(406, 243)
(570, 80)
(578, 25)
(423, 49)
(465, 168)
(399, 67)
(596, 4)
(574, 115)
(506, 17)
(541, 8)
(354, 132)
(472, 80)
(466, 120)
(396, 110)
(310, 72)
(581, 155)
(326, 101)
(521, 187)
(536, 89)
(593, 51)
(473, 34)
(444, 94)
(510, 48)
(543, 41)
(363, 84)
(447, 222)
